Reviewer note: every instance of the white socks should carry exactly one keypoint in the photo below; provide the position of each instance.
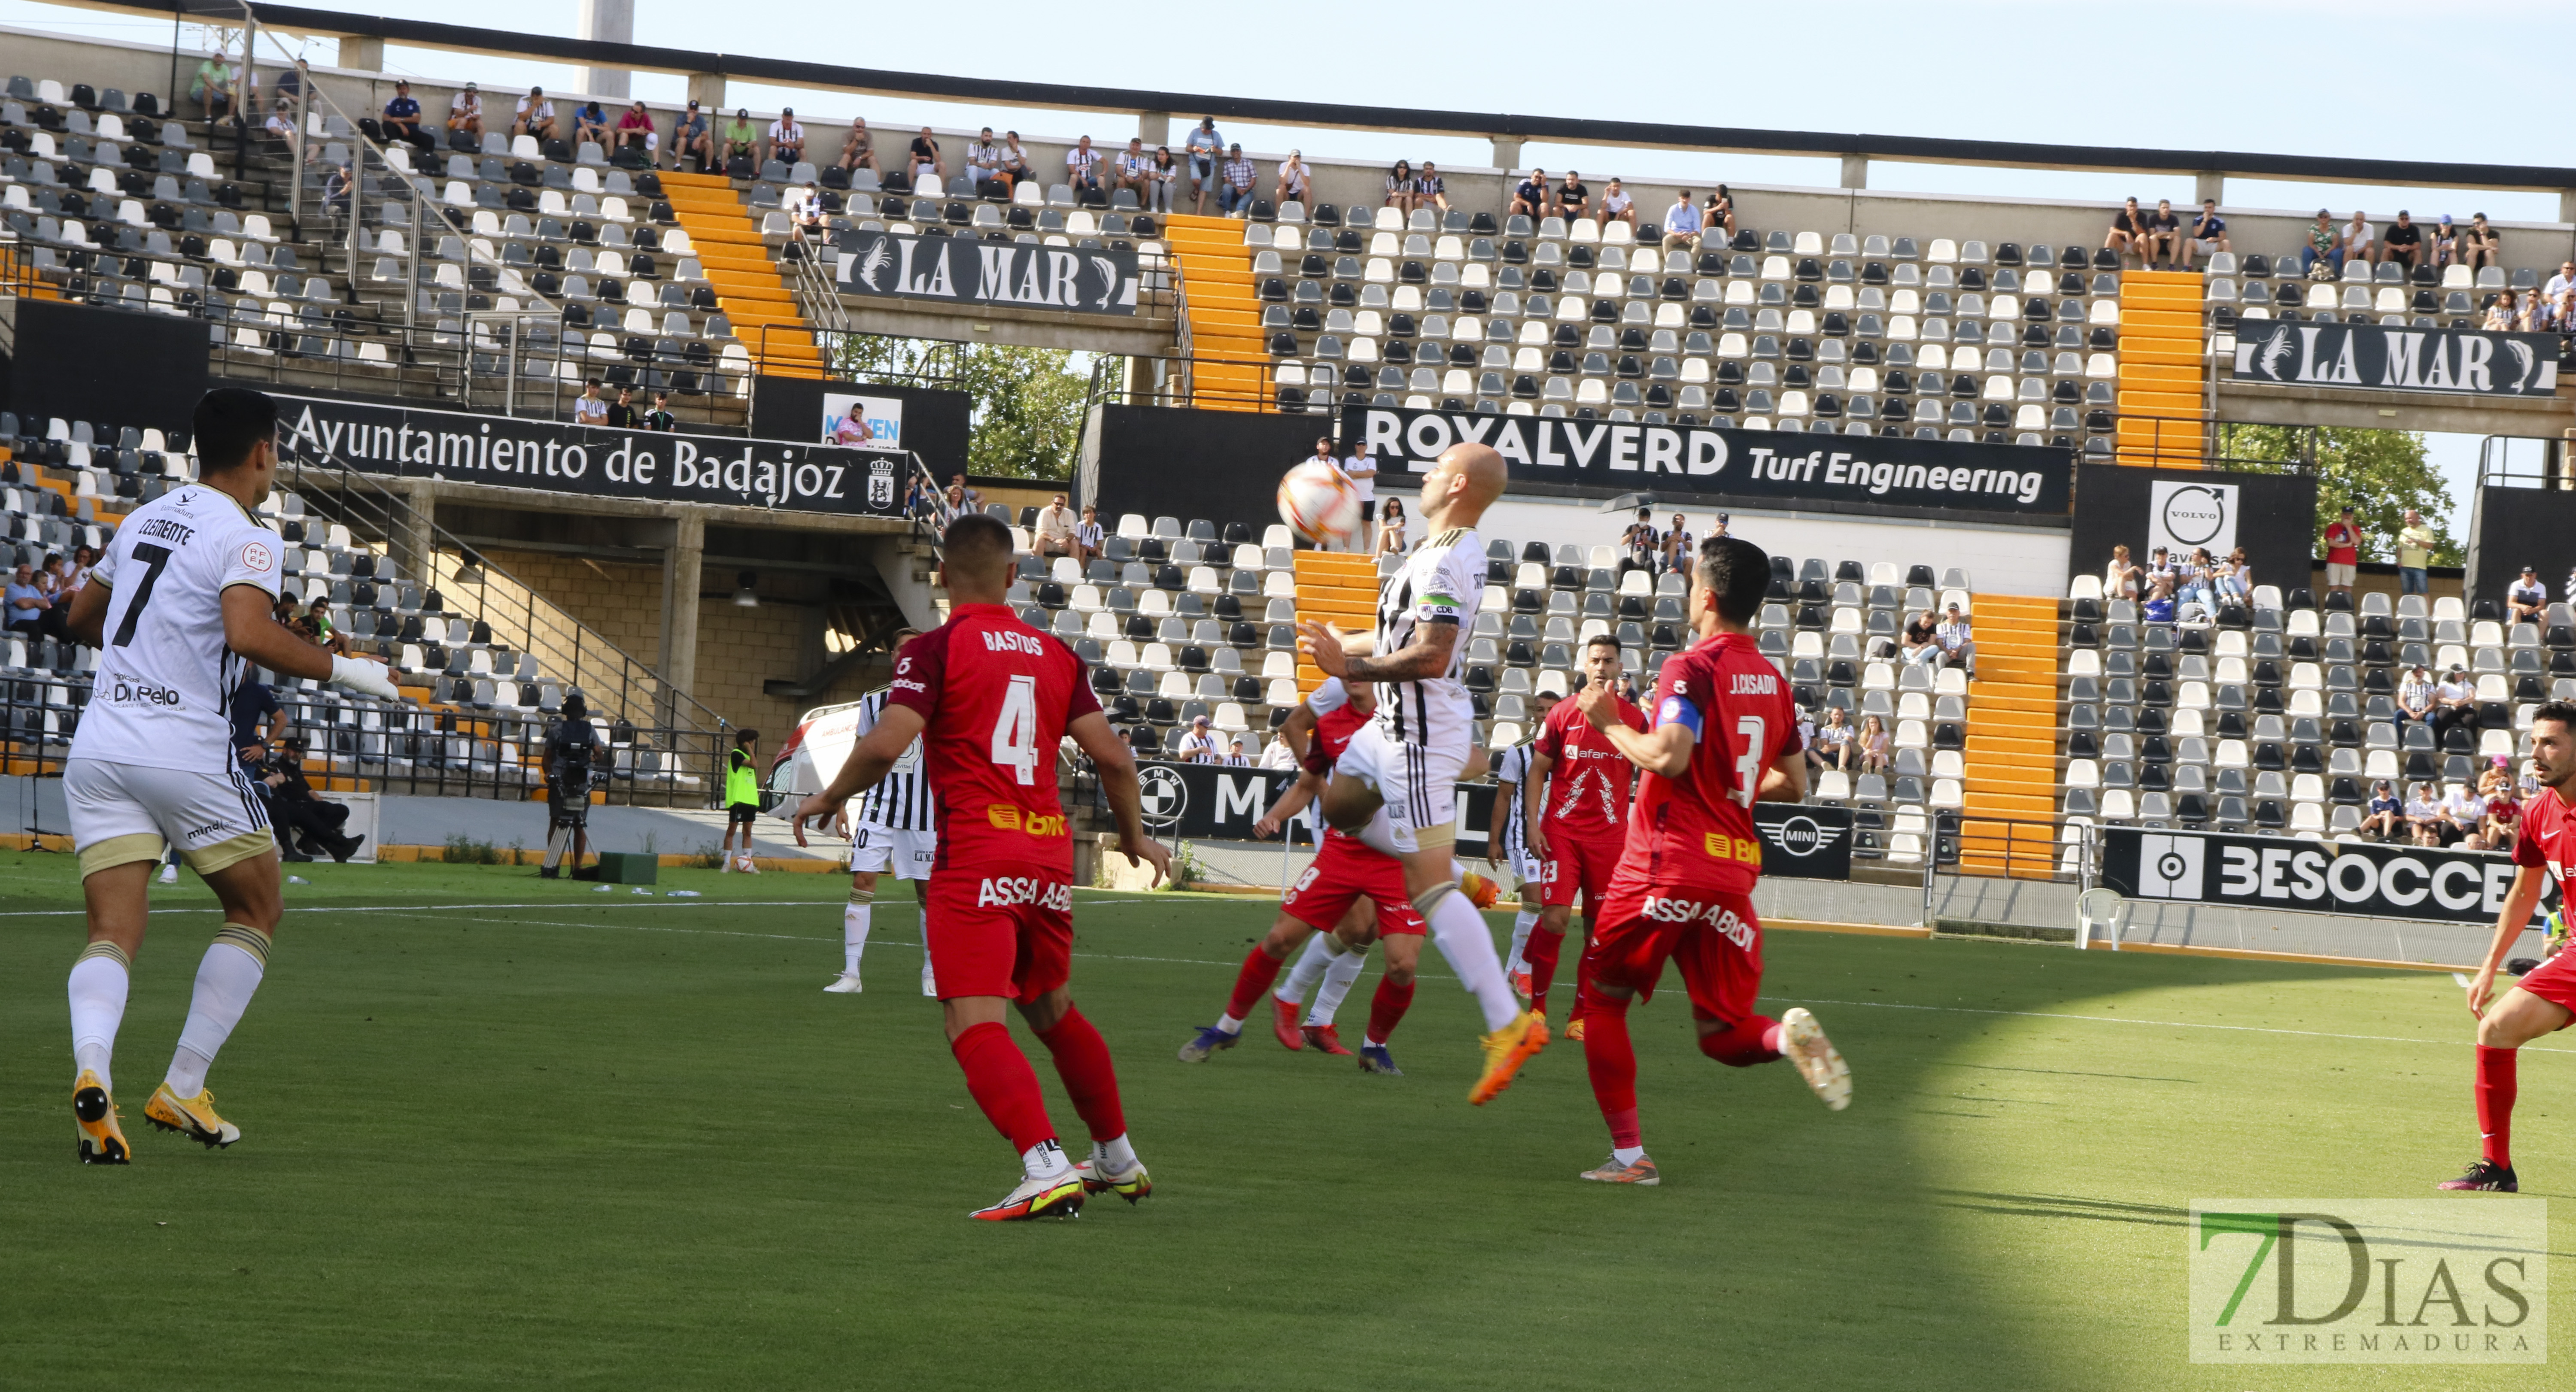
(1628, 1154)
(1468, 945)
(1521, 926)
(1308, 969)
(1229, 1025)
(1045, 1160)
(854, 929)
(98, 985)
(1339, 973)
(226, 979)
(1116, 1156)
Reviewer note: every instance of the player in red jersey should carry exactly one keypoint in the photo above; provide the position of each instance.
(1577, 796)
(991, 700)
(1725, 735)
(2544, 1001)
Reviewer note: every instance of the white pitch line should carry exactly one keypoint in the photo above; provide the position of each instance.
(2168, 1024)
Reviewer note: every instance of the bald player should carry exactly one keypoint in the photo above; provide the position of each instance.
(1408, 760)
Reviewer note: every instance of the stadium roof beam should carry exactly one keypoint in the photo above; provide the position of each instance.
(1507, 131)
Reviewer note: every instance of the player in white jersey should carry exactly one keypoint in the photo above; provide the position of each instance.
(1507, 843)
(179, 609)
(1409, 758)
(894, 829)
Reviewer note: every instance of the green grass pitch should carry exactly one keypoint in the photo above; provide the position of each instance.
(502, 1132)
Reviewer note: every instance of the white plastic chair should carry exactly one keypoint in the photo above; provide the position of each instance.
(2103, 911)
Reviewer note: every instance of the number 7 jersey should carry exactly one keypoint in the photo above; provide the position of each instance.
(163, 694)
(1697, 829)
(996, 696)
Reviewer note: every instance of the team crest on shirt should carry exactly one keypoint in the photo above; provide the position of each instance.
(255, 556)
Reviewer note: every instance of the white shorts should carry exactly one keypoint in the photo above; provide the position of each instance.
(1526, 869)
(1418, 783)
(2341, 576)
(875, 850)
(122, 813)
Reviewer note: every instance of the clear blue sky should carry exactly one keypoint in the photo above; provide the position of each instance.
(2368, 78)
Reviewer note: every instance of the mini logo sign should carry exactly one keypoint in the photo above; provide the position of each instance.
(1800, 835)
(2369, 1281)
(1164, 795)
(2169, 867)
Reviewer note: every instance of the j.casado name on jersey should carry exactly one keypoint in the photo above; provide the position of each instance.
(1010, 891)
(567, 458)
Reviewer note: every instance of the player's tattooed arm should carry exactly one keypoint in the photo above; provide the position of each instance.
(1434, 641)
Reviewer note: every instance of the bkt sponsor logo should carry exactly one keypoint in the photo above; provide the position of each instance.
(1010, 892)
(1002, 816)
(1718, 916)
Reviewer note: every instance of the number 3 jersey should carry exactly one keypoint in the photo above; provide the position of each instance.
(996, 696)
(1697, 829)
(163, 694)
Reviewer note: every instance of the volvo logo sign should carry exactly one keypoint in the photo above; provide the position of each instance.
(2183, 517)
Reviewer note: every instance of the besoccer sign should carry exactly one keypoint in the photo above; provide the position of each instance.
(2273, 872)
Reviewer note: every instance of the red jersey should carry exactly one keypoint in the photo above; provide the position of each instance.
(2343, 544)
(2547, 839)
(1589, 785)
(1698, 829)
(997, 695)
(1336, 720)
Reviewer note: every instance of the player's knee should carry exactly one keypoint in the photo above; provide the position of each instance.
(1737, 1046)
(1399, 974)
(1602, 1000)
(1425, 898)
(1282, 939)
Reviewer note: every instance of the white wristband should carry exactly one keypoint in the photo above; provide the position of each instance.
(366, 677)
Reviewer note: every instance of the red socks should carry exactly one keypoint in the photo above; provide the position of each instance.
(1753, 1041)
(1541, 952)
(1612, 1061)
(1259, 970)
(1004, 1085)
(1387, 1007)
(1082, 1061)
(2495, 1090)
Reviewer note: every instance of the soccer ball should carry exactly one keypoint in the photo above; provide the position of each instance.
(1319, 503)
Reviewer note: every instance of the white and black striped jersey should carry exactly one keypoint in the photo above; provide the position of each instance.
(1511, 774)
(902, 801)
(1439, 583)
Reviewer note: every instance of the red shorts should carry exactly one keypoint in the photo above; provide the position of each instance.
(994, 934)
(1346, 871)
(1579, 863)
(2554, 981)
(1714, 936)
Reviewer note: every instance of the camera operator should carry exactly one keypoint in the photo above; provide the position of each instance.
(303, 821)
(573, 752)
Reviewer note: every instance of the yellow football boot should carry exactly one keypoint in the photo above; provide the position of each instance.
(192, 1117)
(102, 1141)
(1506, 1049)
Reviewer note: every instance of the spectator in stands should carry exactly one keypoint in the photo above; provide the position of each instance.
(2323, 244)
(1573, 197)
(1276, 755)
(2446, 243)
(1234, 756)
(740, 139)
(2455, 701)
(1090, 536)
(859, 147)
(2404, 242)
(2500, 313)
(2414, 550)
(954, 500)
(2498, 812)
(76, 578)
(1399, 187)
(2164, 234)
(659, 419)
(534, 116)
(1958, 641)
(1681, 549)
(1296, 183)
(1081, 168)
(2467, 812)
(214, 85)
(1238, 173)
(1203, 147)
(924, 157)
(984, 165)
(465, 112)
(318, 628)
(2343, 552)
(1681, 223)
(635, 130)
(1919, 643)
(2159, 606)
(2384, 815)
(2481, 246)
(1390, 529)
(1360, 467)
(1197, 746)
(623, 415)
(1529, 198)
(1718, 214)
(589, 124)
(1640, 546)
(2208, 234)
(2526, 600)
(2120, 579)
(2424, 819)
(2359, 240)
(2159, 565)
(1135, 171)
(336, 188)
(2194, 579)
(968, 494)
(786, 138)
(1054, 532)
(805, 207)
(2536, 315)
(1872, 747)
(1616, 205)
(401, 119)
(2128, 230)
(588, 408)
(692, 135)
(1429, 189)
(31, 611)
(280, 125)
(1836, 741)
(1161, 178)
(1015, 161)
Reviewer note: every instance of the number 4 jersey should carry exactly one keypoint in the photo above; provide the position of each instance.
(164, 689)
(996, 695)
(1697, 830)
